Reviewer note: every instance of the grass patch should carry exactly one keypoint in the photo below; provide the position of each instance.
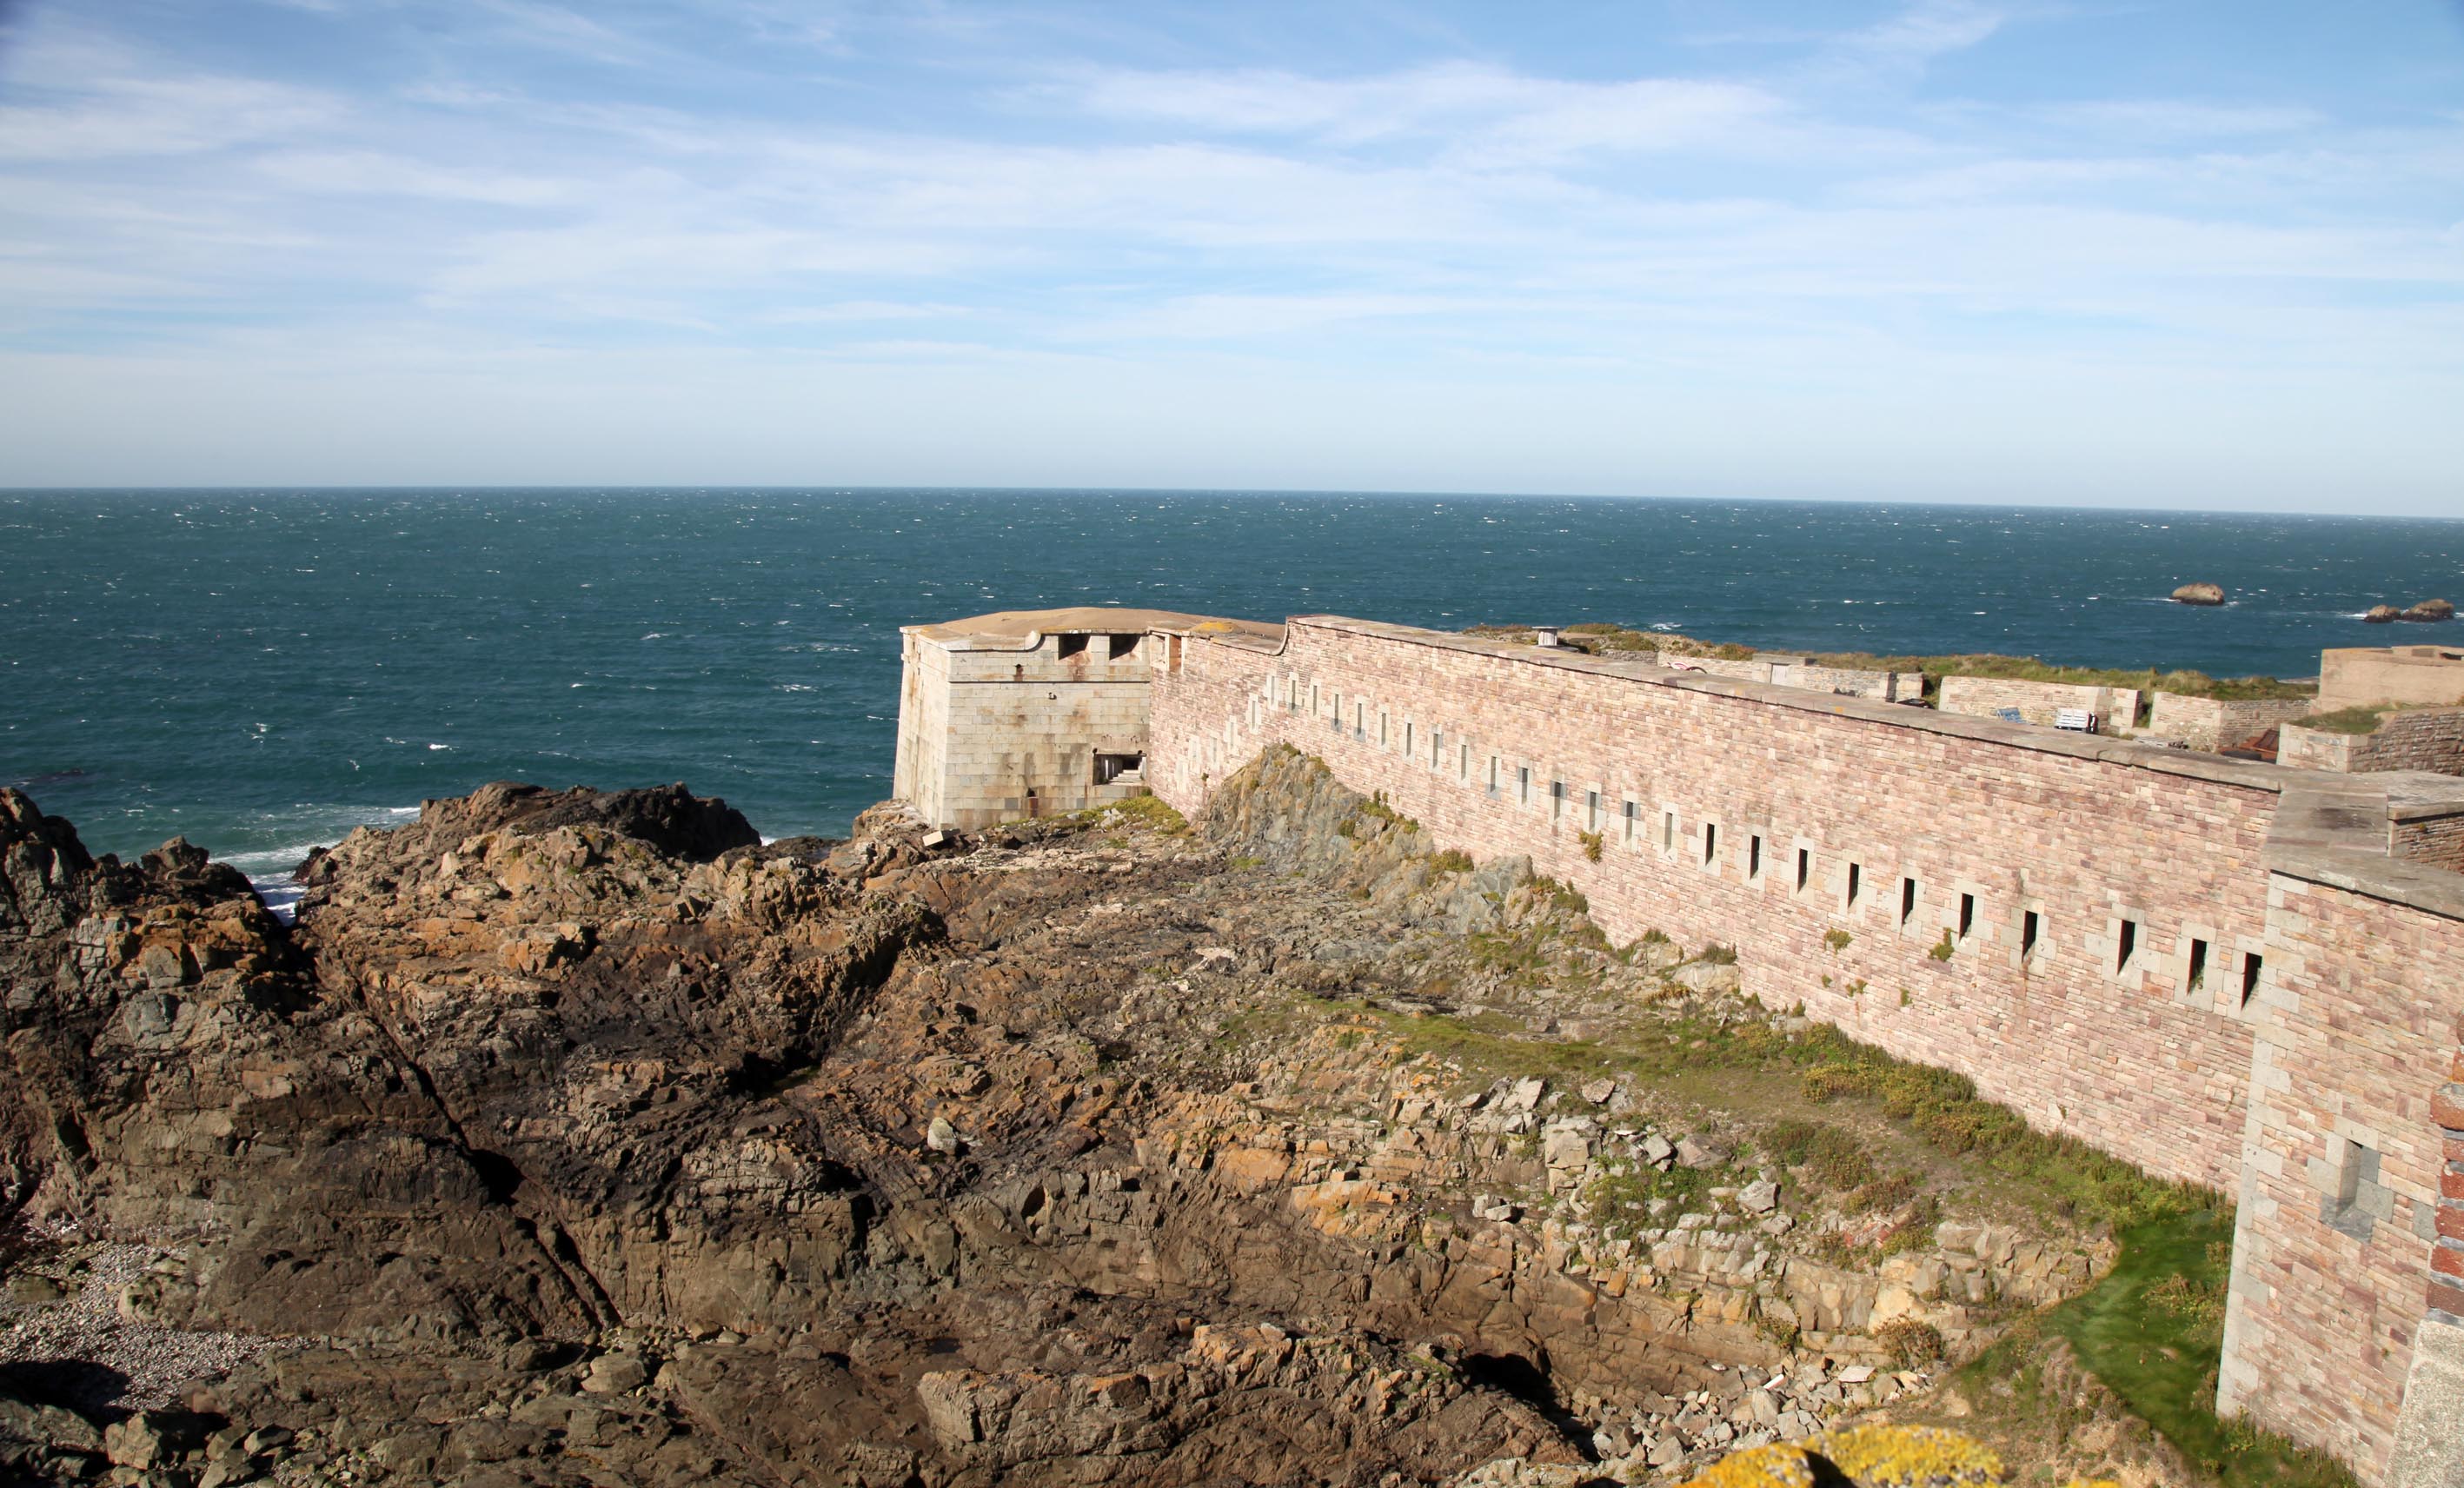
(1601, 638)
(1146, 811)
(1451, 861)
(2152, 1333)
(2360, 718)
(1831, 1156)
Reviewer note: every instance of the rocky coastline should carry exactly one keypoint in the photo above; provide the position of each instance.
(580, 1137)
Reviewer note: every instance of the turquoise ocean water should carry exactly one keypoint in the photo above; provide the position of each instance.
(259, 671)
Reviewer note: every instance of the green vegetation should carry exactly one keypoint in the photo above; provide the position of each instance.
(1619, 1200)
(1451, 861)
(2360, 718)
(2028, 669)
(1836, 939)
(1943, 1109)
(1592, 842)
(1830, 1155)
(1245, 861)
(2152, 1331)
(1717, 955)
(1909, 1343)
(1944, 949)
(1146, 811)
(1606, 639)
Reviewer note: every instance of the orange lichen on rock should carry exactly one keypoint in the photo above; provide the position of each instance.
(1871, 1456)
(1780, 1465)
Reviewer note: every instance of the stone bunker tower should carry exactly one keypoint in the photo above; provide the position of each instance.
(1028, 712)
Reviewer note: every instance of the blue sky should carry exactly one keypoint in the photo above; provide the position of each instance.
(2180, 254)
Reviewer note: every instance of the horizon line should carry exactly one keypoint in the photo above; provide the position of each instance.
(833, 488)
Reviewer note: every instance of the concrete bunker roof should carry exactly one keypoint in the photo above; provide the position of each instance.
(1004, 629)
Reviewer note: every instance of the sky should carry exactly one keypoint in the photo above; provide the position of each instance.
(2182, 254)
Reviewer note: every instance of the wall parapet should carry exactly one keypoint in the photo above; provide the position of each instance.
(2409, 739)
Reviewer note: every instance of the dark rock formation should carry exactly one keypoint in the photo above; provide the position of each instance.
(2430, 610)
(574, 1138)
(2199, 594)
(2381, 615)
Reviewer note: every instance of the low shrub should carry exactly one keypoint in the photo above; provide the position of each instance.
(1909, 1343)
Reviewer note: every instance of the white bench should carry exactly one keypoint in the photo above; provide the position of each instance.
(2078, 720)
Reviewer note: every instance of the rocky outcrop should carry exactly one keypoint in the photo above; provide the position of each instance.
(2428, 610)
(2199, 594)
(2381, 615)
(585, 1132)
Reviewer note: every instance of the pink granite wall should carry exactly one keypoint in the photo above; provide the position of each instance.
(1992, 830)
(2339, 1247)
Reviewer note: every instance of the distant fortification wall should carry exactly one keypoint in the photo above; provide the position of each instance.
(2358, 676)
(2038, 702)
(2115, 939)
(2212, 724)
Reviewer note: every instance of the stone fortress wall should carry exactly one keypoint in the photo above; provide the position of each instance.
(2116, 709)
(2213, 724)
(1027, 713)
(2223, 972)
(1796, 672)
(2419, 675)
(2413, 738)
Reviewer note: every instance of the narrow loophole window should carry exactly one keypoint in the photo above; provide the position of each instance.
(1633, 819)
(1856, 884)
(1754, 856)
(1907, 901)
(1591, 810)
(1710, 843)
(1668, 831)
(1523, 783)
(1967, 914)
(2197, 978)
(2127, 946)
(2248, 978)
(2030, 925)
(1804, 869)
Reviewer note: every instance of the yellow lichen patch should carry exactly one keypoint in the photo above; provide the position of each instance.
(1777, 1466)
(1908, 1456)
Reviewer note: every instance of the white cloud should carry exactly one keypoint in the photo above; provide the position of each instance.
(1699, 243)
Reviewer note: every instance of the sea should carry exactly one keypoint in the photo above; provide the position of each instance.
(261, 671)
